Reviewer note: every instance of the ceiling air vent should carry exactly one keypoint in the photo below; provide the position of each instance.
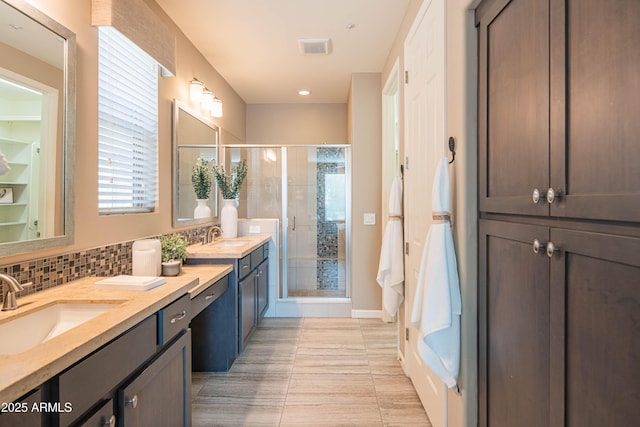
(315, 46)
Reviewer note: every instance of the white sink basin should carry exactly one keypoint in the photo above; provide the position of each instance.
(229, 243)
(24, 332)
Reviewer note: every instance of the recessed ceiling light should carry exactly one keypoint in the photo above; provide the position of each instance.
(304, 92)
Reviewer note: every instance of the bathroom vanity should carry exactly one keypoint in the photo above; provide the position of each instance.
(130, 365)
(240, 309)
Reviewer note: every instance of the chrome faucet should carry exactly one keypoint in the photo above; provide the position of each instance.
(214, 231)
(9, 288)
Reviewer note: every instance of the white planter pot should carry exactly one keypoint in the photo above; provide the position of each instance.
(171, 268)
(229, 219)
(202, 210)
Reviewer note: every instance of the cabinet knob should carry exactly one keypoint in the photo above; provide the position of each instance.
(551, 249)
(552, 195)
(536, 195)
(110, 422)
(537, 245)
(133, 401)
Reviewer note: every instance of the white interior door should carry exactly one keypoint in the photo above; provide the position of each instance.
(424, 146)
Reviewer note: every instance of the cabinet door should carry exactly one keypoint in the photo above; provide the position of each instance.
(513, 112)
(20, 413)
(513, 326)
(263, 288)
(595, 154)
(161, 394)
(247, 306)
(595, 333)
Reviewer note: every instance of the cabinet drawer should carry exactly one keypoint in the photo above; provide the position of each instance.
(257, 256)
(91, 379)
(209, 295)
(265, 250)
(174, 318)
(244, 266)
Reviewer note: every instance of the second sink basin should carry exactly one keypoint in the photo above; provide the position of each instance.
(39, 325)
(229, 243)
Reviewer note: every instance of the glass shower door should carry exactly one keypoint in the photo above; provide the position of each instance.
(316, 211)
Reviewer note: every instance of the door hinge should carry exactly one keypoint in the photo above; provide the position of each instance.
(406, 76)
(406, 334)
(406, 248)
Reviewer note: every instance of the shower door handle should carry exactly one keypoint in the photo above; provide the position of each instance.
(293, 227)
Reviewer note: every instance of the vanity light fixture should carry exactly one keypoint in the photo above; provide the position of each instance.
(304, 92)
(207, 99)
(196, 90)
(216, 109)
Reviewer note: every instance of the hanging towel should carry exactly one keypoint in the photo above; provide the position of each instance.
(391, 267)
(437, 306)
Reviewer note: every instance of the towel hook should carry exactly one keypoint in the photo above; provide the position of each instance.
(452, 148)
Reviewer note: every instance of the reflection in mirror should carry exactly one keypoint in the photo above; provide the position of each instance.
(37, 115)
(194, 137)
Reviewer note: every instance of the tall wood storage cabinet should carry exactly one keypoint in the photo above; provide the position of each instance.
(559, 202)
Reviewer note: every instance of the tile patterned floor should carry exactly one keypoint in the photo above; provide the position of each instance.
(311, 372)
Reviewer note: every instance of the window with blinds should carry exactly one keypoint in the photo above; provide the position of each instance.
(127, 126)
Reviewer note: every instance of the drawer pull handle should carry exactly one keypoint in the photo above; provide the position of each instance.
(208, 297)
(110, 422)
(179, 317)
(133, 401)
(245, 266)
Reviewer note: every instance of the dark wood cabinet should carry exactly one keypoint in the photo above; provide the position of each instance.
(21, 413)
(559, 342)
(513, 326)
(247, 301)
(161, 393)
(262, 289)
(558, 108)
(595, 333)
(227, 324)
(559, 288)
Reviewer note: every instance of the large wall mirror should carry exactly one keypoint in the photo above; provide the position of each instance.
(37, 129)
(195, 139)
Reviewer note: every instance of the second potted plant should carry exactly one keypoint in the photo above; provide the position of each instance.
(201, 180)
(174, 250)
(230, 187)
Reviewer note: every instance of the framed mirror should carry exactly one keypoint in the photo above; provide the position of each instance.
(37, 129)
(195, 140)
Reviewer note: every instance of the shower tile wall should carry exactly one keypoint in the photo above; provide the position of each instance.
(330, 228)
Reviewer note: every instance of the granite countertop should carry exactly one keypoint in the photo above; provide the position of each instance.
(228, 248)
(22, 372)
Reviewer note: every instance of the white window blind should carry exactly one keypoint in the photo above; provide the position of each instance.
(127, 126)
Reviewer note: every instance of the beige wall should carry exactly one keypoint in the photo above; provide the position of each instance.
(365, 112)
(290, 124)
(461, 124)
(92, 230)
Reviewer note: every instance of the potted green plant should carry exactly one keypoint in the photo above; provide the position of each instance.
(230, 187)
(173, 248)
(201, 180)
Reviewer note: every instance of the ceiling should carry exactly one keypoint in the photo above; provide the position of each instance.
(253, 44)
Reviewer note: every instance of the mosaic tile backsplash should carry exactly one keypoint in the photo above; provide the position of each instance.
(111, 260)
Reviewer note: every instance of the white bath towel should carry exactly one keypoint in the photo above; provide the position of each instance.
(437, 306)
(391, 267)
